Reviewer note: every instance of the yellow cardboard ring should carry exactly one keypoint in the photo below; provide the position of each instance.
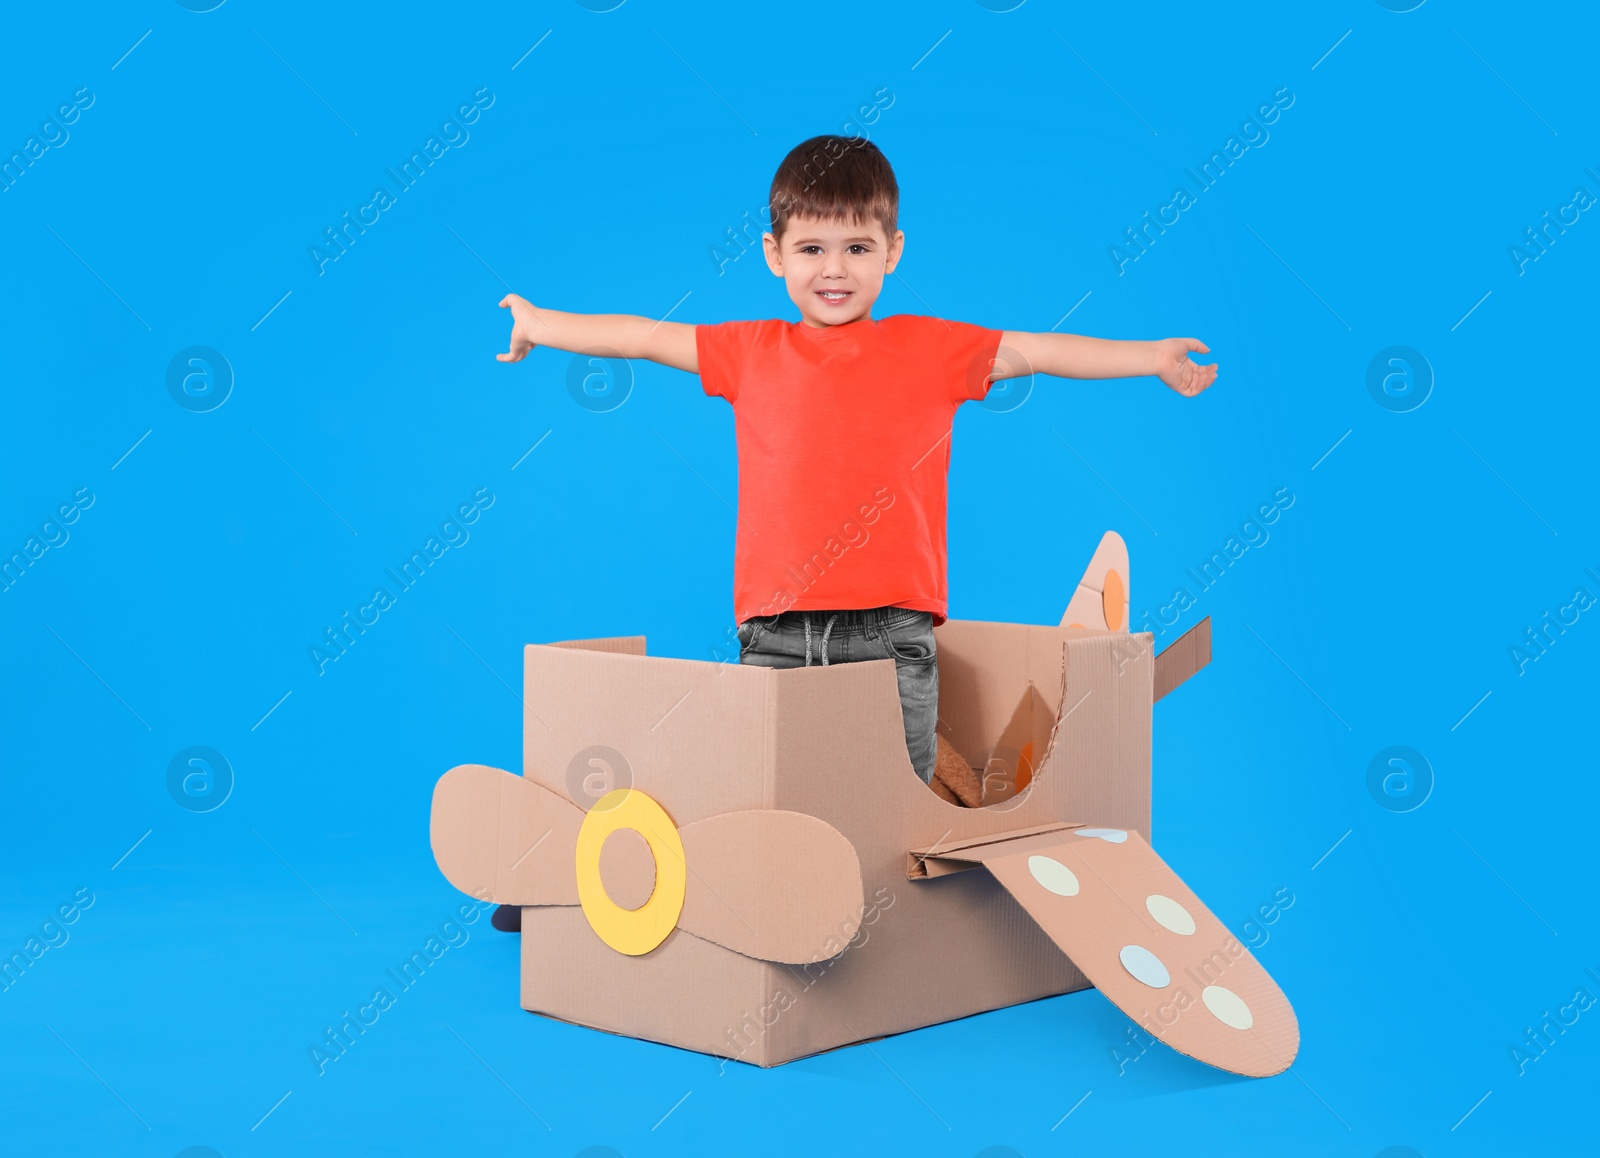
(631, 931)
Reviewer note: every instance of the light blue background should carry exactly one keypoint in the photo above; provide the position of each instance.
(367, 406)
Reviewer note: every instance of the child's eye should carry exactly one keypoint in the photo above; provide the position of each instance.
(811, 249)
(858, 248)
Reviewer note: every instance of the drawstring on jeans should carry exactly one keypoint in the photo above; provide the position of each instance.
(827, 628)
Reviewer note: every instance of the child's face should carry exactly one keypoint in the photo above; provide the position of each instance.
(833, 270)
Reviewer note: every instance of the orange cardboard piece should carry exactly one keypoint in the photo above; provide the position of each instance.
(1024, 775)
(1148, 943)
(795, 803)
(1183, 657)
(1102, 599)
(1114, 601)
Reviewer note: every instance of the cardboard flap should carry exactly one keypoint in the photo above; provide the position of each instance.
(942, 859)
(619, 644)
(773, 885)
(1184, 656)
(1102, 599)
(500, 837)
(1145, 940)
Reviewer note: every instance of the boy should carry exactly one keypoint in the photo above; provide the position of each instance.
(843, 425)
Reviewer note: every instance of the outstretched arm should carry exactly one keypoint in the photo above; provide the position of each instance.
(1077, 356)
(670, 343)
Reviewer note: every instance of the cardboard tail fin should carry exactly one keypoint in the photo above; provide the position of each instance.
(1101, 601)
(1144, 939)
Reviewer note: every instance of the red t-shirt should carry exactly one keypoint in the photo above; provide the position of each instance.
(844, 448)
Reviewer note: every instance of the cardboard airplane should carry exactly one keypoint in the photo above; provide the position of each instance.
(771, 879)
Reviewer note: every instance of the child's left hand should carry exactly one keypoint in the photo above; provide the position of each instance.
(1175, 369)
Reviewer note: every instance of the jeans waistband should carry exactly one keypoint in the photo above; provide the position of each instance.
(849, 621)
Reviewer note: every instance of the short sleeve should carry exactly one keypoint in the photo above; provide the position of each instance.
(723, 350)
(968, 354)
(953, 358)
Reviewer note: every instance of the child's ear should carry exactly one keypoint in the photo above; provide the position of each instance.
(897, 245)
(769, 246)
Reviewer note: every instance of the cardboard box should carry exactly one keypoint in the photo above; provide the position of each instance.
(741, 861)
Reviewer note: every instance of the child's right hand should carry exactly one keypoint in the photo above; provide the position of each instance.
(523, 320)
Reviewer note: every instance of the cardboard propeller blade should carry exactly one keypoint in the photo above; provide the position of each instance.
(1147, 942)
(773, 885)
(777, 886)
(501, 837)
(1101, 600)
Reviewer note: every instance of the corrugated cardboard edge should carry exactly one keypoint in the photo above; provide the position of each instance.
(918, 867)
(701, 1053)
(1023, 746)
(622, 644)
(698, 988)
(1183, 657)
(870, 1038)
(1100, 755)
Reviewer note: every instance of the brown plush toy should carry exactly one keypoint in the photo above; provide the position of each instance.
(955, 780)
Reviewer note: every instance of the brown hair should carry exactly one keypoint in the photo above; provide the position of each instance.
(835, 178)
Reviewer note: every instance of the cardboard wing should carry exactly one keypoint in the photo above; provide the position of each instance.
(1142, 937)
(770, 884)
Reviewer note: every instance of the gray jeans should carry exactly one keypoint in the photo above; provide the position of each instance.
(801, 638)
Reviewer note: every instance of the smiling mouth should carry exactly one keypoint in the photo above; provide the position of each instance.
(835, 297)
